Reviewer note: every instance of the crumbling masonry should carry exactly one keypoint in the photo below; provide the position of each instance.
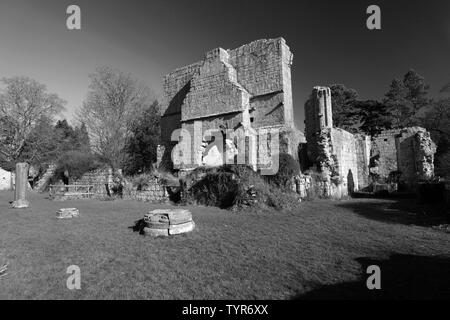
(248, 90)
(355, 161)
(245, 90)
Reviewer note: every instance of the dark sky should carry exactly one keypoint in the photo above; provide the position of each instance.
(329, 39)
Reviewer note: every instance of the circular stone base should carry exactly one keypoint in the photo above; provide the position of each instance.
(172, 230)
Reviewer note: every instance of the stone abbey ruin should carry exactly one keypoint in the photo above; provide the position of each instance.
(247, 92)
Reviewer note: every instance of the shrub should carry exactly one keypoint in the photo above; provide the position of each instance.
(76, 163)
(165, 177)
(234, 186)
(219, 189)
(288, 168)
(118, 184)
(141, 181)
(166, 164)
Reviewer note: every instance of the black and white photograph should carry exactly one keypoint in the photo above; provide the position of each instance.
(224, 154)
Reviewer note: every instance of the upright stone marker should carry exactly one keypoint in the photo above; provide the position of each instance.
(20, 192)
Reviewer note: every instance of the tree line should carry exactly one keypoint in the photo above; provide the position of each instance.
(117, 125)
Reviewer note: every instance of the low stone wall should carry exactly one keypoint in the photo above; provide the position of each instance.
(153, 191)
(147, 196)
(99, 178)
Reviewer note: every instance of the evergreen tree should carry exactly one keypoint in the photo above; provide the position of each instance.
(406, 99)
(343, 100)
(373, 116)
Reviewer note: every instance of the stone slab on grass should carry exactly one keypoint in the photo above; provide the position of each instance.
(67, 213)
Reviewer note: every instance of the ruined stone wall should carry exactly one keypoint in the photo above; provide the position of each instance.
(99, 178)
(211, 124)
(383, 159)
(415, 151)
(402, 155)
(259, 65)
(247, 87)
(218, 84)
(176, 86)
(291, 139)
(154, 191)
(407, 151)
(425, 150)
(214, 89)
(340, 157)
(267, 110)
(286, 63)
(318, 115)
(344, 147)
(264, 69)
(318, 111)
(363, 147)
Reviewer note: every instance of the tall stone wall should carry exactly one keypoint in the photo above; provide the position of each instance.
(363, 146)
(318, 115)
(248, 87)
(415, 151)
(260, 64)
(408, 152)
(266, 110)
(215, 89)
(383, 158)
(264, 69)
(176, 86)
(425, 149)
(344, 148)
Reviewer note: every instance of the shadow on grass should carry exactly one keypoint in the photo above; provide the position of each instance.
(402, 277)
(139, 226)
(402, 211)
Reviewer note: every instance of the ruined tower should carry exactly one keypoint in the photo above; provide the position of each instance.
(247, 88)
(318, 115)
(318, 112)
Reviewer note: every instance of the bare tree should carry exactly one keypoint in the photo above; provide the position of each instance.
(115, 99)
(24, 102)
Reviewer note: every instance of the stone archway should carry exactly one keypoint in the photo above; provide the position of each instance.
(212, 155)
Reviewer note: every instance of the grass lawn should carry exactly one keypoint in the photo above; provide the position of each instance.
(321, 250)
